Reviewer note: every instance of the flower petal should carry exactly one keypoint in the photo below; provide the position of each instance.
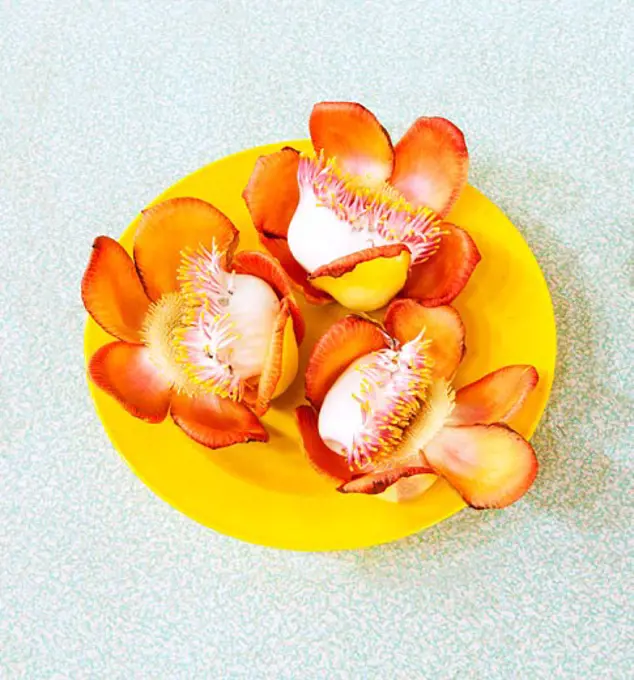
(127, 373)
(431, 164)
(272, 192)
(353, 136)
(278, 247)
(366, 280)
(322, 458)
(377, 482)
(170, 227)
(280, 366)
(441, 278)
(345, 341)
(216, 422)
(269, 269)
(496, 397)
(111, 291)
(408, 488)
(490, 466)
(405, 319)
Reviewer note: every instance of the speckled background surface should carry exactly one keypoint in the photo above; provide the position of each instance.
(102, 106)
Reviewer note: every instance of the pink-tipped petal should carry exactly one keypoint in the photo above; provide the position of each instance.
(491, 466)
(431, 164)
(272, 193)
(111, 291)
(496, 397)
(441, 278)
(216, 422)
(377, 482)
(352, 135)
(126, 372)
(405, 319)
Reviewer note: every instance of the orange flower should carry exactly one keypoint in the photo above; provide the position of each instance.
(363, 220)
(384, 416)
(202, 334)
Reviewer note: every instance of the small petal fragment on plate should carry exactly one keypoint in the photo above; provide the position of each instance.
(377, 482)
(269, 269)
(405, 319)
(352, 135)
(491, 466)
(431, 164)
(171, 227)
(272, 193)
(441, 278)
(345, 341)
(280, 366)
(216, 422)
(111, 291)
(366, 280)
(278, 247)
(496, 397)
(322, 458)
(127, 373)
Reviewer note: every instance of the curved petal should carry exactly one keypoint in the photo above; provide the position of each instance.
(280, 366)
(126, 372)
(366, 280)
(278, 247)
(322, 458)
(377, 482)
(216, 422)
(441, 278)
(272, 192)
(167, 229)
(405, 319)
(431, 164)
(111, 291)
(352, 135)
(496, 397)
(268, 269)
(345, 341)
(490, 466)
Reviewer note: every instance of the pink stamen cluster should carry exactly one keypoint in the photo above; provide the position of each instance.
(381, 211)
(392, 391)
(204, 342)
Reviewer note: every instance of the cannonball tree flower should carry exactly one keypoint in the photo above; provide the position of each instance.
(205, 335)
(363, 220)
(385, 419)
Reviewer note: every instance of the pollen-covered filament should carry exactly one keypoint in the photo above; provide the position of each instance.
(337, 216)
(367, 414)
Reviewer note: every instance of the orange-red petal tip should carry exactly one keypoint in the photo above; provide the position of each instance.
(377, 482)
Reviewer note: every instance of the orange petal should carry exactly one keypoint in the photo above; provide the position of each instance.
(278, 247)
(353, 136)
(496, 397)
(215, 422)
(166, 229)
(366, 280)
(322, 458)
(345, 341)
(126, 372)
(405, 319)
(280, 365)
(441, 278)
(377, 482)
(431, 164)
(268, 269)
(112, 292)
(272, 193)
(490, 466)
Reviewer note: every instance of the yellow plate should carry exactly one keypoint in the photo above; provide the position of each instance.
(267, 493)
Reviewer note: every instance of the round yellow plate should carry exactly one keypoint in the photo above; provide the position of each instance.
(267, 493)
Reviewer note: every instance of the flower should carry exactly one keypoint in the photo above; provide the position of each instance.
(206, 335)
(385, 419)
(363, 220)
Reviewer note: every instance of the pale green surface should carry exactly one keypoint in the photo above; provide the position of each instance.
(103, 106)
